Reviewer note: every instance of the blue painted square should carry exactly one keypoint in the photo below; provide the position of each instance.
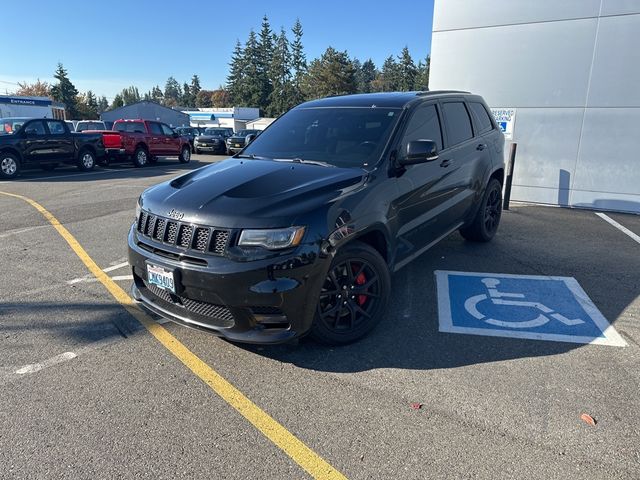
(503, 126)
(521, 306)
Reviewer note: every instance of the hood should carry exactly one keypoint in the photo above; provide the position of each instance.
(208, 138)
(239, 193)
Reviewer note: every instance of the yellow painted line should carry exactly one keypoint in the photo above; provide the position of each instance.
(310, 461)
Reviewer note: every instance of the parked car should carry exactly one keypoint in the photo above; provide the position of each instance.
(190, 132)
(299, 233)
(84, 125)
(241, 138)
(212, 140)
(142, 141)
(45, 143)
(71, 125)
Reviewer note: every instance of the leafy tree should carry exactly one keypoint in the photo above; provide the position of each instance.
(87, 106)
(281, 97)
(130, 95)
(298, 63)
(203, 99)
(117, 102)
(236, 77)
(422, 79)
(407, 71)
(172, 92)
(103, 104)
(37, 89)
(220, 98)
(332, 74)
(64, 91)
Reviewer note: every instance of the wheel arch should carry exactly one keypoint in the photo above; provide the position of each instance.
(12, 151)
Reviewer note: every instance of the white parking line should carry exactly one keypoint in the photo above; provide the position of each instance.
(122, 277)
(36, 367)
(89, 278)
(622, 228)
(115, 267)
(22, 230)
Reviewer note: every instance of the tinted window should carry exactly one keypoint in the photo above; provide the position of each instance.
(458, 122)
(35, 128)
(131, 127)
(166, 130)
(155, 128)
(55, 128)
(484, 121)
(424, 125)
(344, 137)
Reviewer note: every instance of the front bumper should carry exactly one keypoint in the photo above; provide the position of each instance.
(210, 147)
(263, 301)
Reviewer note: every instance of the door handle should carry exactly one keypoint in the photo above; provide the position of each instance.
(481, 146)
(445, 163)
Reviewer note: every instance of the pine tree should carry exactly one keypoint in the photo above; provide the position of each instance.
(332, 74)
(367, 74)
(298, 63)
(388, 80)
(264, 60)
(103, 104)
(203, 99)
(157, 95)
(407, 71)
(64, 91)
(172, 92)
(237, 75)
(252, 86)
(194, 88)
(117, 102)
(422, 79)
(130, 95)
(187, 98)
(281, 97)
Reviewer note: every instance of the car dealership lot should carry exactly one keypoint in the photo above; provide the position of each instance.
(98, 396)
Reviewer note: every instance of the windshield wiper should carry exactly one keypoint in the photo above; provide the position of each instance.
(300, 160)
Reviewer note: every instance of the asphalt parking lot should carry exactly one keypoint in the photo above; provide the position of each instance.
(87, 392)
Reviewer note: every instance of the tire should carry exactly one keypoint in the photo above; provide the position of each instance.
(9, 166)
(140, 157)
(485, 224)
(49, 167)
(359, 269)
(86, 160)
(185, 155)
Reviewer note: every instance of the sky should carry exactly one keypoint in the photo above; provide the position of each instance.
(109, 45)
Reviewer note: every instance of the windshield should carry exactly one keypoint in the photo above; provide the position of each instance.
(244, 133)
(8, 126)
(214, 131)
(83, 126)
(343, 137)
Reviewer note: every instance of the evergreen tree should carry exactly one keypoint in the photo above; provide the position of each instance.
(117, 102)
(236, 77)
(407, 71)
(331, 74)
(92, 102)
(130, 95)
(172, 92)
(87, 106)
(64, 91)
(194, 88)
(157, 95)
(422, 79)
(388, 80)
(298, 63)
(103, 104)
(203, 99)
(220, 98)
(251, 94)
(264, 60)
(281, 97)
(187, 97)
(366, 75)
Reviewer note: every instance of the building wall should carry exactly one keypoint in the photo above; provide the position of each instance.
(571, 68)
(35, 107)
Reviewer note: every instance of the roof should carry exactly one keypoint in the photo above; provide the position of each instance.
(382, 99)
(146, 102)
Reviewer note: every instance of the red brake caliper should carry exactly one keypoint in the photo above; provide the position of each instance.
(361, 279)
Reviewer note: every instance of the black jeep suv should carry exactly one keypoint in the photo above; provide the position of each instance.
(299, 232)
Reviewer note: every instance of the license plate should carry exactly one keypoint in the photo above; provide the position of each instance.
(161, 277)
(237, 145)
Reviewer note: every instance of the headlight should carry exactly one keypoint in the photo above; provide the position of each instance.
(272, 239)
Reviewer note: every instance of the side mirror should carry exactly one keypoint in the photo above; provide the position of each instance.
(250, 138)
(420, 151)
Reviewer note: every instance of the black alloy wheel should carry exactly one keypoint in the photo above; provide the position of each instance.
(487, 219)
(353, 296)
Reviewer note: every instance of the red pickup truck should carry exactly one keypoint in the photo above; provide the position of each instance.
(142, 141)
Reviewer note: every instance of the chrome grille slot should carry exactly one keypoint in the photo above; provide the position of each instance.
(150, 224)
(220, 240)
(185, 234)
(201, 239)
(171, 233)
(158, 232)
(142, 224)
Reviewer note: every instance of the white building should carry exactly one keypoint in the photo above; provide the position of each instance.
(233, 117)
(34, 107)
(571, 70)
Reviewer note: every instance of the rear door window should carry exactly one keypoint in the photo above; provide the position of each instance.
(155, 128)
(35, 128)
(166, 130)
(458, 122)
(55, 127)
(423, 125)
(482, 116)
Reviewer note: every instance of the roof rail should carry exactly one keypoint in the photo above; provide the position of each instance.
(437, 92)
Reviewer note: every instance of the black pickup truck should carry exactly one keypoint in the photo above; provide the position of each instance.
(45, 143)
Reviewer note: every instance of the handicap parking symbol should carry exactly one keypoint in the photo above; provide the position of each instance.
(521, 306)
